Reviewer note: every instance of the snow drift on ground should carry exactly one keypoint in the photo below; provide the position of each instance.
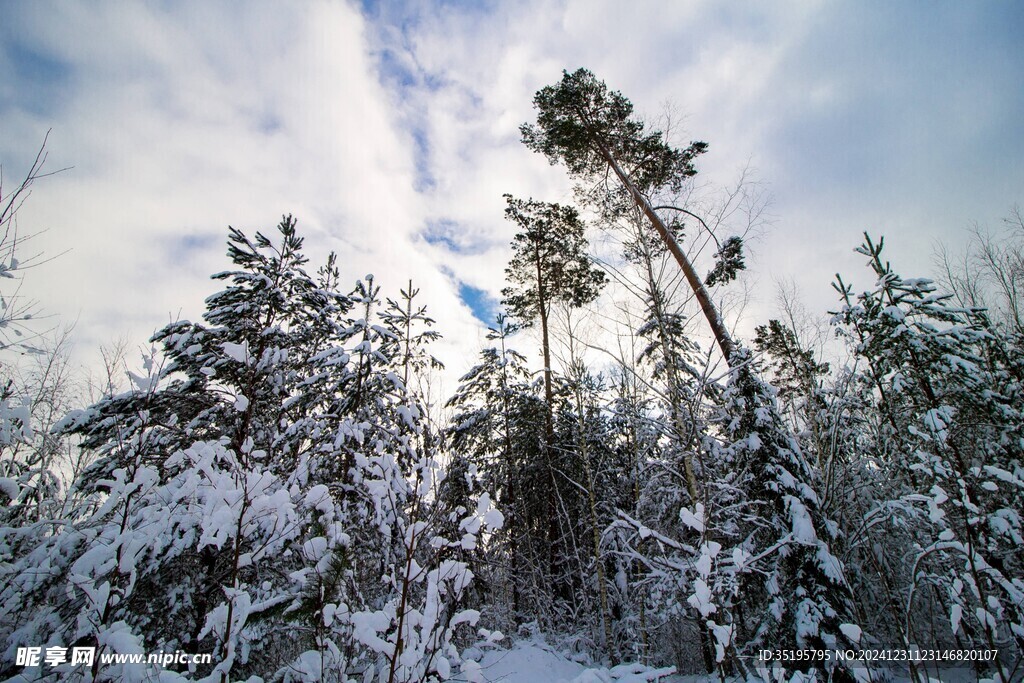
(535, 662)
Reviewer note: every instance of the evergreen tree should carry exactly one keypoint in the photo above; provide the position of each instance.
(254, 486)
(945, 388)
(781, 584)
(587, 461)
(549, 265)
(796, 376)
(497, 431)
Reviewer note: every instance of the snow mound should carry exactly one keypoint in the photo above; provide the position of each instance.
(532, 662)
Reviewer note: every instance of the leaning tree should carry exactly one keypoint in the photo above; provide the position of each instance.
(592, 131)
(763, 503)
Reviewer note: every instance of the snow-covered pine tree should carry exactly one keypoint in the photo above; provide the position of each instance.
(588, 462)
(250, 487)
(767, 576)
(674, 476)
(946, 391)
(796, 376)
(407, 626)
(194, 495)
(496, 432)
(753, 557)
(677, 476)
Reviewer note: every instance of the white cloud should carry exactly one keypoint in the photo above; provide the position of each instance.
(180, 123)
(373, 127)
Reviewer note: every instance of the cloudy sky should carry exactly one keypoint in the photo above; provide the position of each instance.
(390, 130)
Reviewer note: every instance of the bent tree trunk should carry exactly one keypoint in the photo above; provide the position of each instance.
(707, 306)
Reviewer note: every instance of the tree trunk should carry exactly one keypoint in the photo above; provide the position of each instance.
(549, 436)
(602, 590)
(708, 307)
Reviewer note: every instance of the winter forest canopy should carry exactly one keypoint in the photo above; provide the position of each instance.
(623, 477)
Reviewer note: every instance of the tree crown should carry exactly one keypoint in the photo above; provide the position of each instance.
(549, 261)
(581, 123)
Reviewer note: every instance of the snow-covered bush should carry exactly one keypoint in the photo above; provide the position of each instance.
(264, 493)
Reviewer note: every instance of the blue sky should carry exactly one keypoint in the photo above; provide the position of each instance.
(390, 129)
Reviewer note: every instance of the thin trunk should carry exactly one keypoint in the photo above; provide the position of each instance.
(549, 398)
(226, 644)
(602, 590)
(633, 447)
(512, 498)
(406, 583)
(549, 427)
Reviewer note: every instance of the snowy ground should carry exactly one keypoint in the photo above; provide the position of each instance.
(534, 661)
